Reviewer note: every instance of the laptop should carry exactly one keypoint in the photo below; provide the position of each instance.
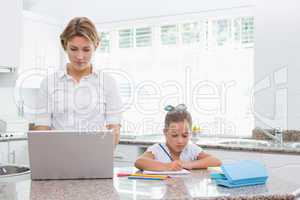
(70, 154)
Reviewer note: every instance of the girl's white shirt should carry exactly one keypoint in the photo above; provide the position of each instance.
(189, 153)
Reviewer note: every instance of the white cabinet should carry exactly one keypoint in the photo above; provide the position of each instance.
(40, 48)
(18, 152)
(126, 155)
(14, 152)
(3, 152)
(11, 29)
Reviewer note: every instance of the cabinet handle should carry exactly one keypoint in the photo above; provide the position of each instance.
(119, 157)
(13, 155)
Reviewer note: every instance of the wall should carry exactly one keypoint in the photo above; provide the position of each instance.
(277, 89)
(116, 10)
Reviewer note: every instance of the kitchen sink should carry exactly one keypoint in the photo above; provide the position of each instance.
(13, 170)
(246, 142)
(292, 145)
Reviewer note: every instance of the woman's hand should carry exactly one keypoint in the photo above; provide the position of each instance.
(174, 166)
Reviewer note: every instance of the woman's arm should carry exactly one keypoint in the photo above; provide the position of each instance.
(203, 161)
(146, 162)
(116, 132)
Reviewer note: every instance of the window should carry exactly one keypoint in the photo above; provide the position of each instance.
(105, 42)
(143, 37)
(247, 31)
(222, 31)
(209, 69)
(126, 38)
(190, 33)
(169, 34)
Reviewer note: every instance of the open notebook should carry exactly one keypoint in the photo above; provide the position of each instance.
(181, 172)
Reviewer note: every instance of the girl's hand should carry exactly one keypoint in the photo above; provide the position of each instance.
(187, 165)
(174, 166)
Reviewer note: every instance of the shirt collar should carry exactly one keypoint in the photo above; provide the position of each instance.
(62, 74)
(168, 150)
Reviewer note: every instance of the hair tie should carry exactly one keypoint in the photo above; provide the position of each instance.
(179, 107)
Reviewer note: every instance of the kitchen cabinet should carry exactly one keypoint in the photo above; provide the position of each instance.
(11, 29)
(14, 152)
(18, 152)
(125, 155)
(3, 152)
(40, 48)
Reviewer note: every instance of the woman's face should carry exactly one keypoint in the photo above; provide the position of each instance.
(80, 51)
(177, 136)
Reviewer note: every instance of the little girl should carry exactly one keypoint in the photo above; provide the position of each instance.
(177, 153)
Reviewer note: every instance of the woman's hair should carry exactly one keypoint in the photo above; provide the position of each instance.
(80, 26)
(175, 116)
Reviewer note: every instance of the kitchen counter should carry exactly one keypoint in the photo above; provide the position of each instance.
(196, 185)
(220, 143)
(239, 144)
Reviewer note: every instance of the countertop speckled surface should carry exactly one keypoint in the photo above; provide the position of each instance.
(241, 144)
(196, 185)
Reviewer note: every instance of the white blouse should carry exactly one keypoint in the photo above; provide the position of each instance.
(189, 153)
(89, 105)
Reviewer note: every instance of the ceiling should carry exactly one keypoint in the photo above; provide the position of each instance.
(102, 11)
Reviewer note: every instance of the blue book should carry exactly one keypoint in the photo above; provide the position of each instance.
(241, 173)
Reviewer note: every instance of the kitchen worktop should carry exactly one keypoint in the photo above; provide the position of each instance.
(240, 144)
(196, 185)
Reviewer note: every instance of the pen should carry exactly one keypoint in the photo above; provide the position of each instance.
(166, 152)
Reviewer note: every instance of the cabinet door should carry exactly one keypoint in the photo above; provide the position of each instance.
(40, 49)
(11, 29)
(18, 152)
(3, 152)
(126, 155)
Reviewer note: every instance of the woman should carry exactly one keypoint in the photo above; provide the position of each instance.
(79, 97)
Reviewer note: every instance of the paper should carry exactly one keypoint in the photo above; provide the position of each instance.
(180, 172)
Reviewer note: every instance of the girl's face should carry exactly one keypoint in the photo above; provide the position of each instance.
(80, 51)
(177, 136)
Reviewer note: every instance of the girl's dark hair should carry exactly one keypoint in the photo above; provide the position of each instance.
(178, 116)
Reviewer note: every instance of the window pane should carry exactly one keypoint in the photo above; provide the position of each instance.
(126, 38)
(168, 34)
(247, 31)
(105, 42)
(143, 37)
(222, 31)
(190, 33)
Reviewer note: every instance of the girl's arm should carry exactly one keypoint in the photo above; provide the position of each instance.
(203, 161)
(147, 162)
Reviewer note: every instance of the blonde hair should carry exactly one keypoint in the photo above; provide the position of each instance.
(80, 26)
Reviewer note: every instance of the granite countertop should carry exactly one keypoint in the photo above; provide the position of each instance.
(241, 144)
(196, 185)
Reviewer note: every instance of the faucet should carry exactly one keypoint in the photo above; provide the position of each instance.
(277, 137)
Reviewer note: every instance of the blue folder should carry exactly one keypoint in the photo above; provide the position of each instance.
(241, 173)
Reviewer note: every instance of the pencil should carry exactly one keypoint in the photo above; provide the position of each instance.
(150, 175)
(145, 178)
